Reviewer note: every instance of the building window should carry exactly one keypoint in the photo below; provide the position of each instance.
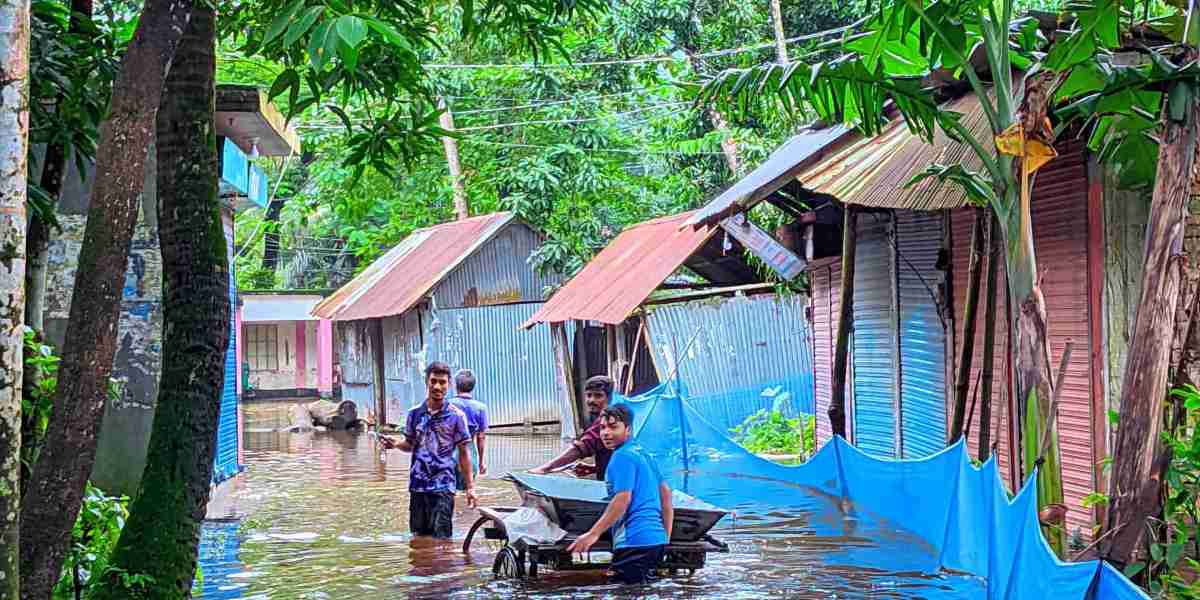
(262, 347)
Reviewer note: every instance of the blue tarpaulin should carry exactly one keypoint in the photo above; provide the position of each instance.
(952, 516)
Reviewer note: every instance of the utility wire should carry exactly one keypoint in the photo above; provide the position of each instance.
(614, 150)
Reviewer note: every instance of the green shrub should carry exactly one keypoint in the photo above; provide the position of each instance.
(772, 432)
(92, 541)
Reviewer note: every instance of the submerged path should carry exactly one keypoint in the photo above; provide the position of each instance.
(324, 517)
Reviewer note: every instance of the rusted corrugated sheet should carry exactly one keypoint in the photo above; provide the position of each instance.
(404, 364)
(498, 273)
(962, 221)
(875, 351)
(1060, 226)
(873, 172)
(400, 278)
(620, 278)
(738, 355)
(922, 336)
(825, 279)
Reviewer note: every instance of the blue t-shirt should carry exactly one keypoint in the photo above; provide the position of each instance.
(632, 470)
(435, 439)
(475, 410)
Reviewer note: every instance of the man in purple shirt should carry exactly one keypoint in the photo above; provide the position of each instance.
(435, 432)
(464, 399)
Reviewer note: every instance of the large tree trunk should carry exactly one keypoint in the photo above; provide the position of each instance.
(54, 170)
(14, 151)
(70, 449)
(1138, 453)
(987, 376)
(962, 383)
(163, 532)
(841, 352)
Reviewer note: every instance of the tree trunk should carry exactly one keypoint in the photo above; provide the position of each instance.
(461, 207)
(161, 538)
(14, 152)
(1137, 468)
(54, 170)
(780, 41)
(841, 353)
(270, 257)
(728, 144)
(989, 340)
(70, 449)
(962, 383)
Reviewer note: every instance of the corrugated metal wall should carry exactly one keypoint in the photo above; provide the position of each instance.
(514, 367)
(826, 286)
(352, 344)
(961, 221)
(874, 344)
(404, 364)
(748, 352)
(922, 339)
(225, 459)
(497, 273)
(1060, 226)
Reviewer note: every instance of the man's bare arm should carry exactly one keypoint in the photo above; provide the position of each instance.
(479, 437)
(464, 467)
(616, 509)
(668, 508)
(568, 456)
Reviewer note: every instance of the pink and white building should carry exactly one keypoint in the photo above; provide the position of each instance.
(283, 351)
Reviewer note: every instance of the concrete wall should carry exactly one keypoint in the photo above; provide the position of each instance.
(297, 363)
(121, 448)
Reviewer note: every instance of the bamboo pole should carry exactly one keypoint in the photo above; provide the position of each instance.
(841, 354)
(962, 381)
(989, 338)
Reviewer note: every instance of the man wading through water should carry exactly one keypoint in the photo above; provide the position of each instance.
(436, 433)
(596, 394)
(639, 509)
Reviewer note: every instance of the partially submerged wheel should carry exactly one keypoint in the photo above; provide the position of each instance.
(509, 564)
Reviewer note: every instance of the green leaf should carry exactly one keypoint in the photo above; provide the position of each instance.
(281, 21)
(977, 186)
(1156, 552)
(316, 45)
(1132, 570)
(302, 25)
(1180, 100)
(352, 30)
(286, 80)
(389, 34)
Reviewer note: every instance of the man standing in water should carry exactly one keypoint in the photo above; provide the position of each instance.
(639, 509)
(596, 394)
(476, 412)
(435, 432)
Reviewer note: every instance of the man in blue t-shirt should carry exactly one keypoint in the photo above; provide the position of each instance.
(639, 510)
(477, 424)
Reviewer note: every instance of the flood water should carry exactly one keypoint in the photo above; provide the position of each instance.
(325, 515)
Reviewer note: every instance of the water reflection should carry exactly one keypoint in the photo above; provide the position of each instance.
(327, 517)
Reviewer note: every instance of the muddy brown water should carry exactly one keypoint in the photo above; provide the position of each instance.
(324, 515)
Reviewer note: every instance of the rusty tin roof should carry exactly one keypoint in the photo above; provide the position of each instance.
(399, 279)
(617, 280)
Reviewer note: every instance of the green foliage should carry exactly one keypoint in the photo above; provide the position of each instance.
(771, 432)
(41, 366)
(93, 538)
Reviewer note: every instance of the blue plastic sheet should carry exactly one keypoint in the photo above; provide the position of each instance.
(955, 517)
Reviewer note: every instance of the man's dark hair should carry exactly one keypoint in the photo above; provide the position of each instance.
(437, 368)
(464, 381)
(599, 383)
(620, 412)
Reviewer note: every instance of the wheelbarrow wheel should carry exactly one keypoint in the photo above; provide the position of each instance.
(508, 564)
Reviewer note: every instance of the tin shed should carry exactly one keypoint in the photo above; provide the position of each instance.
(455, 293)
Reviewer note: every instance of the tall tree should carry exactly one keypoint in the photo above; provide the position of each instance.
(56, 486)
(160, 539)
(14, 142)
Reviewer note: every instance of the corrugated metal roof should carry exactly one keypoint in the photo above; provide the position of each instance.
(400, 278)
(863, 171)
(618, 279)
(775, 172)
(873, 171)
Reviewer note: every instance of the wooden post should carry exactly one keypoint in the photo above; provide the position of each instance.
(461, 208)
(989, 339)
(378, 379)
(962, 382)
(837, 405)
(563, 362)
